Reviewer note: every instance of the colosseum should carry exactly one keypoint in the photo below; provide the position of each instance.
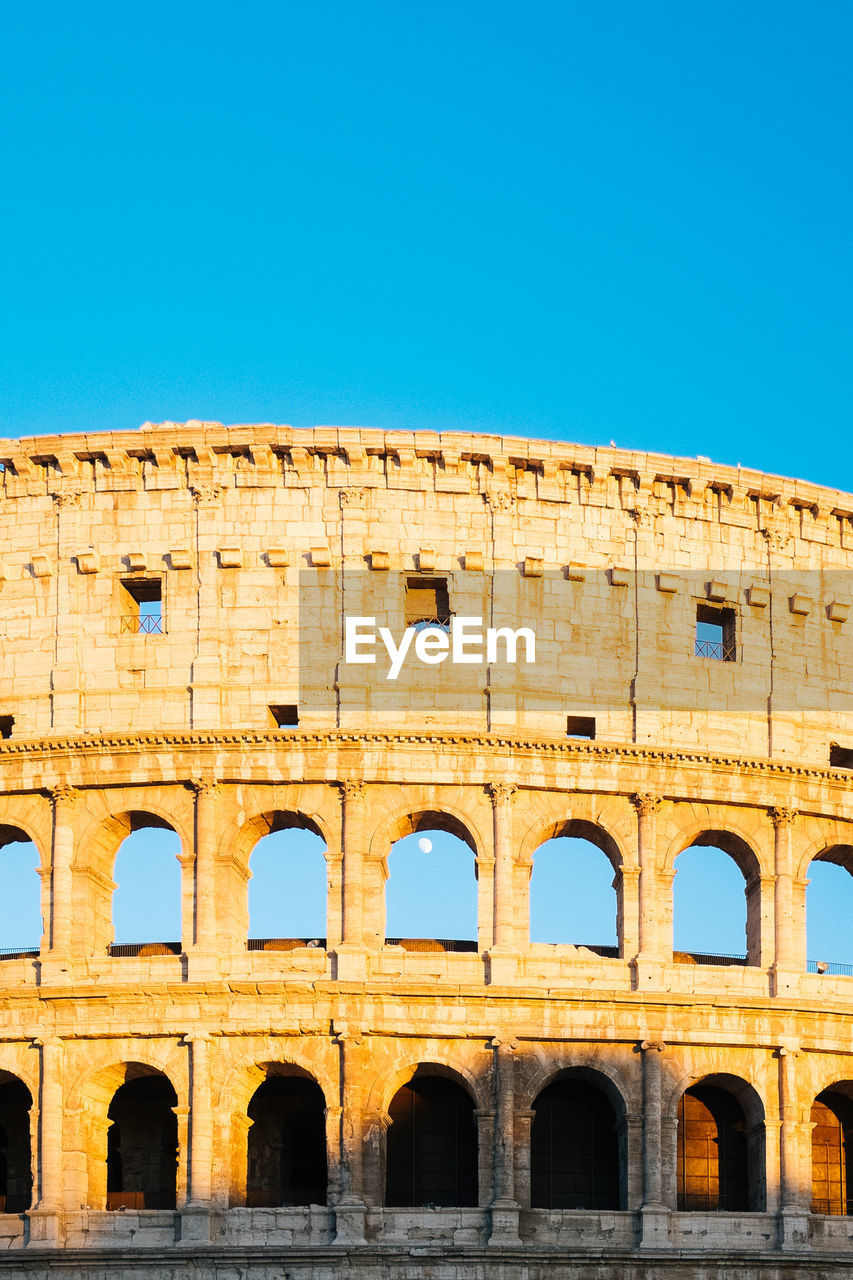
(175, 606)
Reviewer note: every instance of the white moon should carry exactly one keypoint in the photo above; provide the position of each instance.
(425, 845)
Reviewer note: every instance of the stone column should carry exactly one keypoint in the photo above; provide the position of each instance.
(58, 926)
(201, 1121)
(350, 1209)
(523, 1135)
(204, 938)
(503, 958)
(651, 949)
(794, 1157)
(655, 1215)
(789, 958)
(195, 1214)
(351, 960)
(504, 1207)
(46, 1218)
(629, 915)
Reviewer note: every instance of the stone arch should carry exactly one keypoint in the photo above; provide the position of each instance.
(235, 1094)
(390, 1082)
(17, 1145)
(594, 1131)
(409, 820)
(834, 854)
(734, 843)
(33, 932)
(603, 1074)
(826, 849)
(750, 1160)
(90, 1099)
(594, 832)
(432, 1111)
(94, 867)
(239, 848)
(831, 1122)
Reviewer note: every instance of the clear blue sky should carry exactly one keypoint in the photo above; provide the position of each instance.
(594, 221)
(599, 221)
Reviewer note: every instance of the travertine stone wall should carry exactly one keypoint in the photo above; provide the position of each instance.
(252, 530)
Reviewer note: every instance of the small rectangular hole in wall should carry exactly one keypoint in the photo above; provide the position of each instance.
(715, 633)
(427, 600)
(142, 606)
(580, 727)
(839, 757)
(6, 726)
(285, 716)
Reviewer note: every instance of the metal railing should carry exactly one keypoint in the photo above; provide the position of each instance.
(18, 953)
(145, 624)
(435, 944)
(715, 649)
(708, 957)
(831, 967)
(284, 944)
(120, 949)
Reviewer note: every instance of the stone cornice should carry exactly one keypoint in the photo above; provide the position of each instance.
(88, 747)
(199, 457)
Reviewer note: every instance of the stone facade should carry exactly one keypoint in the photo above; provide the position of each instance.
(247, 534)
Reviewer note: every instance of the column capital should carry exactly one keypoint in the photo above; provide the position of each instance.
(503, 1042)
(646, 803)
(204, 786)
(351, 789)
(501, 792)
(782, 816)
(64, 793)
(651, 1046)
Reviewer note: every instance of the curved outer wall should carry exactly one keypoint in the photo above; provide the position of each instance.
(263, 539)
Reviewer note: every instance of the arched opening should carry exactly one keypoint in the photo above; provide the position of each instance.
(575, 889)
(146, 906)
(21, 925)
(16, 1176)
(716, 902)
(832, 1150)
(829, 909)
(431, 893)
(575, 1141)
(720, 1156)
(288, 883)
(286, 1160)
(431, 1144)
(142, 1145)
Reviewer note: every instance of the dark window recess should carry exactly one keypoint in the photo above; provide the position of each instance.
(285, 717)
(715, 633)
(286, 1159)
(580, 726)
(7, 723)
(574, 1149)
(142, 613)
(142, 1145)
(839, 757)
(427, 601)
(432, 1145)
(713, 1170)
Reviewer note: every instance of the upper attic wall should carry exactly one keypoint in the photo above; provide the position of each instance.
(198, 456)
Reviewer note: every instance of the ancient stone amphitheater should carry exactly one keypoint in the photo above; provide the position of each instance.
(174, 604)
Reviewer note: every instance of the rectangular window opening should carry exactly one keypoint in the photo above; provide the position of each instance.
(839, 757)
(6, 725)
(427, 601)
(284, 716)
(580, 727)
(142, 612)
(715, 633)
